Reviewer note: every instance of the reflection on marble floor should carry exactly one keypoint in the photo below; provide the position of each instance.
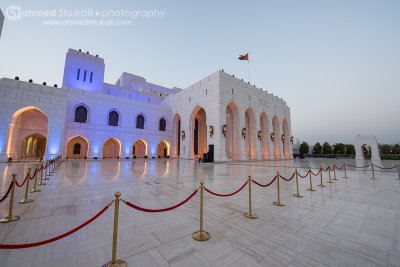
(352, 222)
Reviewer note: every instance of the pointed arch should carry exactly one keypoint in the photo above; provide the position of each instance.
(176, 129)
(72, 147)
(250, 141)
(277, 137)
(198, 128)
(232, 138)
(163, 149)
(264, 125)
(139, 149)
(286, 142)
(112, 148)
(28, 133)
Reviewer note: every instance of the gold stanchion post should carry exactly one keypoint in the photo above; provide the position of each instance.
(373, 172)
(297, 186)
(310, 188)
(34, 190)
(46, 177)
(345, 174)
(329, 169)
(334, 173)
(250, 214)
(201, 235)
(278, 203)
(41, 175)
(26, 200)
(114, 262)
(321, 184)
(52, 167)
(10, 217)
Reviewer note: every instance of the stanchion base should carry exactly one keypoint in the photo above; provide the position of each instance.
(34, 191)
(335, 179)
(201, 236)
(24, 201)
(42, 184)
(279, 204)
(310, 189)
(297, 195)
(119, 263)
(46, 179)
(346, 177)
(321, 185)
(9, 219)
(249, 215)
(329, 182)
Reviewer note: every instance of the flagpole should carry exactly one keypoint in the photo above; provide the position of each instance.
(248, 65)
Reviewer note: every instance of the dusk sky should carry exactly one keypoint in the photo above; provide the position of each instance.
(335, 63)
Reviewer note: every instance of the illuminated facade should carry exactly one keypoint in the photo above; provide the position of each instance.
(88, 118)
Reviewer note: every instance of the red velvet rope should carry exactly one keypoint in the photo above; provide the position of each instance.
(287, 180)
(366, 166)
(34, 174)
(8, 192)
(327, 168)
(317, 173)
(160, 210)
(304, 175)
(29, 245)
(21, 185)
(264, 185)
(385, 168)
(340, 167)
(228, 195)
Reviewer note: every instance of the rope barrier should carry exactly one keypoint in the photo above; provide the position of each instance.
(160, 210)
(385, 168)
(366, 166)
(287, 180)
(340, 167)
(33, 176)
(228, 195)
(327, 168)
(264, 185)
(29, 245)
(305, 176)
(314, 173)
(21, 185)
(8, 192)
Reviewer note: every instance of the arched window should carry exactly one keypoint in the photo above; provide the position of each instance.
(77, 149)
(81, 114)
(113, 118)
(163, 124)
(140, 122)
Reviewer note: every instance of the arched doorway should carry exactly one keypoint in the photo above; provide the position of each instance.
(28, 134)
(176, 138)
(367, 146)
(366, 151)
(286, 144)
(34, 146)
(264, 135)
(77, 148)
(277, 137)
(250, 141)
(162, 149)
(199, 132)
(111, 148)
(232, 138)
(139, 149)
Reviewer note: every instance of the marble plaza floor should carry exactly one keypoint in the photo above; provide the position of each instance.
(353, 222)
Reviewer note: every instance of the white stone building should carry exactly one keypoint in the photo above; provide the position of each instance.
(88, 118)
